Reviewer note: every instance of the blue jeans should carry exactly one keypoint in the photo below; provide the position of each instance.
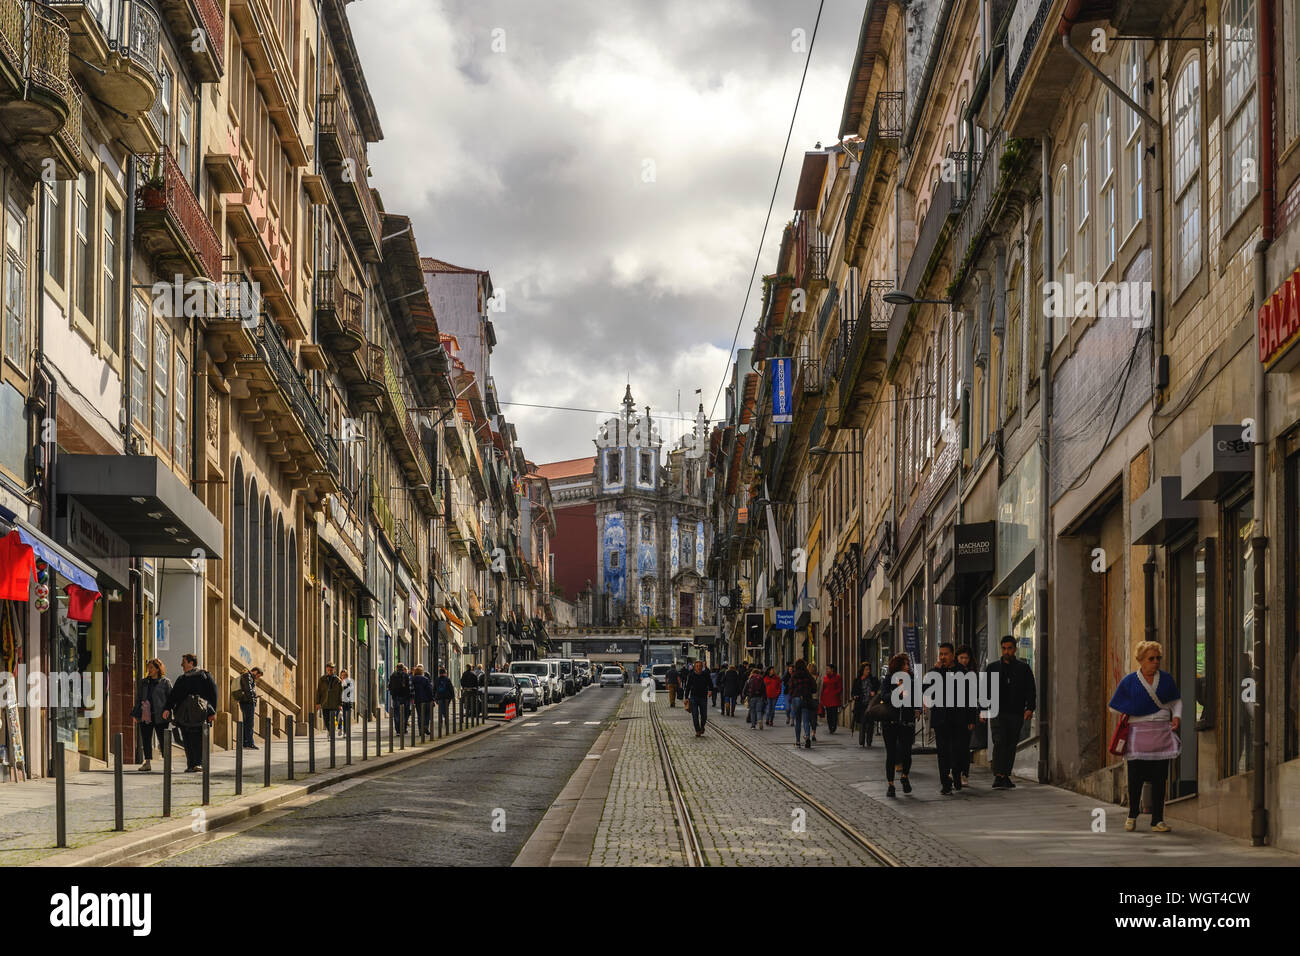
(802, 715)
(757, 708)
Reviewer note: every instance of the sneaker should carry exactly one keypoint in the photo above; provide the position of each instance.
(956, 783)
(144, 767)
(999, 784)
(1130, 824)
(807, 744)
(191, 769)
(890, 792)
(251, 747)
(1161, 827)
(1007, 784)
(946, 790)
(907, 785)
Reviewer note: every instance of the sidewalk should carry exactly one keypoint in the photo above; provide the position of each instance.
(1033, 825)
(27, 810)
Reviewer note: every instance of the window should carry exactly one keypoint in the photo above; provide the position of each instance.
(180, 413)
(110, 307)
(1062, 240)
(269, 563)
(294, 575)
(56, 233)
(613, 466)
(1082, 261)
(1011, 393)
(280, 626)
(165, 103)
(84, 262)
(928, 405)
(941, 384)
(15, 289)
(1187, 180)
(1106, 179)
(1133, 139)
(140, 362)
(183, 136)
(1241, 632)
(162, 361)
(1291, 66)
(1240, 173)
(254, 555)
(238, 533)
(645, 468)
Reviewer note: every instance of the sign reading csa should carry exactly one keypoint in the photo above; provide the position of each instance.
(1279, 321)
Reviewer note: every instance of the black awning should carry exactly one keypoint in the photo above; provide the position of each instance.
(143, 502)
(1161, 511)
(1215, 462)
(966, 561)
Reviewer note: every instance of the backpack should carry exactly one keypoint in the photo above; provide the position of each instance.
(193, 711)
(237, 690)
(400, 685)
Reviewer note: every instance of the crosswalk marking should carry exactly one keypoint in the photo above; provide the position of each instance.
(559, 723)
(590, 723)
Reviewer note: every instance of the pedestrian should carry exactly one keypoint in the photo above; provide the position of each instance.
(832, 696)
(150, 702)
(244, 694)
(731, 687)
(785, 689)
(672, 680)
(898, 727)
(1015, 705)
(803, 701)
(422, 695)
(697, 696)
(468, 689)
(864, 686)
(816, 704)
(951, 735)
(192, 703)
(715, 678)
(399, 690)
(682, 674)
(966, 661)
(444, 692)
(349, 699)
(329, 696)
(1151, 709)
(772, 690)
(756, 691)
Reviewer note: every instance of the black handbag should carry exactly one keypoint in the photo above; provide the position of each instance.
(877, 708)
(979, 736)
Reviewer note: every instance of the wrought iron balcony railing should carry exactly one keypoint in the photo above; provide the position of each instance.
(169, 212)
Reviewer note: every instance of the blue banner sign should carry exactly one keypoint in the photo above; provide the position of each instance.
(782, 371)
(785, 620)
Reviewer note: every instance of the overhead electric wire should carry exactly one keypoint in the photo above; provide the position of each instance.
(770, 206)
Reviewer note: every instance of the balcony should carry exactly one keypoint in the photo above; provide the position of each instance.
(254, 29)
(1038, 73)
(927, 253)
(811, 255)
(383, 514)
(117, 43)
(407, 552)
(170, 225)
(863, 366)
(999, 177)
(338, 314)
(876, 164)
(184, 17)
(344, 155)
(40, 105)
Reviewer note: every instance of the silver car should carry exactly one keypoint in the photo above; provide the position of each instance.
(530, 691)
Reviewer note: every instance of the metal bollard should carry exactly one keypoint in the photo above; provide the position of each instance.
(347, 737)
(119, 822)
(401, 734)
(333, 737)
(266, 750)
(239, 757)
(390, 733)
(60, 798)
(439, 706)
(424, 721)
(207, 754)
(365, 743)
(289, 741)
(167, 773)
(311, 742)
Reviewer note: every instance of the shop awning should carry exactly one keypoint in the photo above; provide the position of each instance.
(72, 568)
(705, 636)
(1161, 511)
(966, 560)
(1215, 462)
(452, 618)
(141, 500)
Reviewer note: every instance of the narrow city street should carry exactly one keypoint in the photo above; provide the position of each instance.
(437, 812)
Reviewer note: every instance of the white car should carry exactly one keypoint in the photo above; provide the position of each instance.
(544, 673)
(611, 676)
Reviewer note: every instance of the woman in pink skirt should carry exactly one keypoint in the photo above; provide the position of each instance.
(1149, 698)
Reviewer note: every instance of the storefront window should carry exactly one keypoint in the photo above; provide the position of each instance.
(1024, 622)
(1241, 636)
(1291, 651)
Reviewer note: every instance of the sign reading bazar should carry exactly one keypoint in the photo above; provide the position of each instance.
(1279, 324)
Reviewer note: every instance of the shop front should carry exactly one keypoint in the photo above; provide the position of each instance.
(964, 567)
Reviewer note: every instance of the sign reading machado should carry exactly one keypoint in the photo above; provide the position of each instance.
(782, 370)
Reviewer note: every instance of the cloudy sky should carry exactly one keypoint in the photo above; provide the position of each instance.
(610, 163)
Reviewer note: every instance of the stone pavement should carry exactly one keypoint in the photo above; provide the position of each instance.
(27, 814)
(1033, 825)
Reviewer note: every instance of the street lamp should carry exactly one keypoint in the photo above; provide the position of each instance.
(899, 297)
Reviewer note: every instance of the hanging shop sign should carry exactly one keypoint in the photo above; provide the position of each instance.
(781, 370)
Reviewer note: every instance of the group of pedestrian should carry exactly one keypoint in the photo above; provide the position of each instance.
(189, 705)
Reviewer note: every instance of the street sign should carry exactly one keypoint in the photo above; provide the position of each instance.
(785, 620)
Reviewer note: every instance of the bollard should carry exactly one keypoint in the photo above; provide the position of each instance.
(266, 750)
(424, 721)
(119, 822)
(401, 732)
(167, 773)
(390, 733)
(207, 755)
(438, 704)
(365, 742)
(415, 716)
(333, 737)
(60, 798)
(239, 757)
(347, 737)
(311, 742)
(289, 741)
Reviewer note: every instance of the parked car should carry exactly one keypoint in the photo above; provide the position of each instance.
(501, 692)
(553, 664)
(588, 671)
(530, 691)
(543, 672)
(660, 673)
(611, 676)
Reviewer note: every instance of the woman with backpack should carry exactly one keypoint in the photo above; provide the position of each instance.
(898, 727)
(803, 701)
(150, 702)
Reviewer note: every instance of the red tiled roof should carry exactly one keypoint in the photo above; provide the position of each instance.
(570, 468)
(428, 264)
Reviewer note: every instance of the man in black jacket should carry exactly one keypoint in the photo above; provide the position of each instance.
(443, 692)
(248, 703)
(194, 682)
(697, 691)
(399, 689)
(1016, 693)
(951, 734)
(468, 690)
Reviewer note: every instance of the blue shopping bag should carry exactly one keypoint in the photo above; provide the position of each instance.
(781, 702)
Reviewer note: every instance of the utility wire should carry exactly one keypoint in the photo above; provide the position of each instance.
(770, 206)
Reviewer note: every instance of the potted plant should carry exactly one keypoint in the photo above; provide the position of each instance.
(153, 191)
